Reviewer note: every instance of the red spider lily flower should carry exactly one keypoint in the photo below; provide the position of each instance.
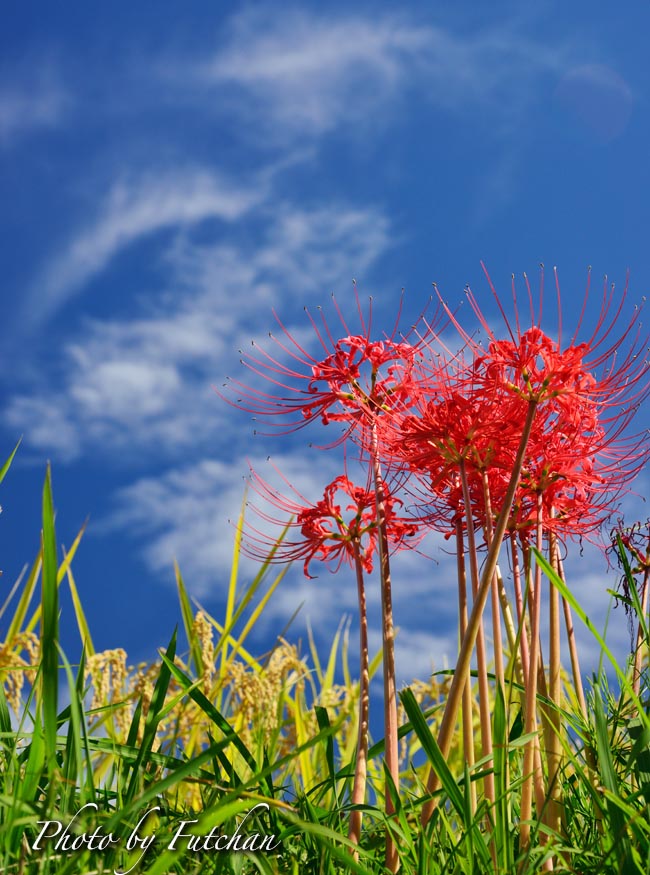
(444, 436)
(356, 379)
(454, 423)
(463, 426)
(561, 469)
(535, 366)
(332, 529)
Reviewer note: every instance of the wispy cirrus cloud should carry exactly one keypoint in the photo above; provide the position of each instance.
(310, 73)
(30, 105)
(144, 383)
(299, 77)
(294, 75)
(134, 209)
(183, 514)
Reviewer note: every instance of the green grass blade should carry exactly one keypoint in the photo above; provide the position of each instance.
(432, 751)
(33, 767)
(82, 623)
(251, 589)
(49, 626)
(255, 614)
(7, 464)
(153, 716)
(188, 622)
(609, 780)
(72, 754)
(505, 849)
(324, 723)
(22, 607)
(70, 554)
(5, 716)
(210, 711)
(232, 583)
(330, 671)
(559, 584)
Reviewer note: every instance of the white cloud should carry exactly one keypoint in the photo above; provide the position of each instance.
(47, 424)
(183, 513)
(304, 73)
(134, 209)
(301, 250)
(419, 653)
(112, 389)
(310, 73)
(144, 383)
(188, 514)
(29, 107)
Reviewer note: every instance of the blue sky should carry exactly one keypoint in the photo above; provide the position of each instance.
(168, 177)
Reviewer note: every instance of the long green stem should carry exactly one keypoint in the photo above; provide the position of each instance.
(524, 633)
(481, 657)
(531, 773)
(497, 638)
(578, 686)
(361, 768)
(468, 699)
(388, 641)
(461, 673)
(554, 744)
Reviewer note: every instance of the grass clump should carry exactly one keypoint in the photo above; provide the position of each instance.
(214, 760)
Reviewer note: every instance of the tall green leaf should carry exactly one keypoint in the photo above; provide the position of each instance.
(7, 464)
(49, 626)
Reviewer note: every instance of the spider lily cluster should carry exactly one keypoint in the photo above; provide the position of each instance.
(511, 445)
